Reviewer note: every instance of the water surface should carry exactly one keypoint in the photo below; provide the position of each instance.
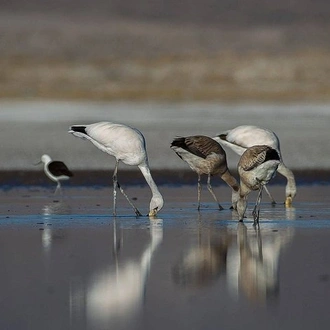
(67, 263)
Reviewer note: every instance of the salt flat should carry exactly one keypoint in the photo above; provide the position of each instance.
(31, 128)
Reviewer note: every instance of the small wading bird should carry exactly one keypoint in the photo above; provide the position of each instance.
(128, 145)
(55, 170)
(206, 156)
(242, 137)
(256, 167)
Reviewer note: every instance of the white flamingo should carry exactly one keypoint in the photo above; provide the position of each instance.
(55, 170)
(205, 156)
(242, 137)
(256, 167)
(128, 145)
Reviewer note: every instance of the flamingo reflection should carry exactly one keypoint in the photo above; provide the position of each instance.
(204, 263)
(48, 211)
(249, 259)
(253, 269)
(117, 295)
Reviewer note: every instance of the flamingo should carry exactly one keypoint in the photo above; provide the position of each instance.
(256, 167)
(206, 156)
(55, 170)
(242, 137)
(128, 145)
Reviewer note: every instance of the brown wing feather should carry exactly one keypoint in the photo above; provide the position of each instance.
(253, 157)
(203, 146)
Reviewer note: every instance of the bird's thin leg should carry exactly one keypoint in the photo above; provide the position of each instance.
(137, 212)
(209, 187)
(115, 185)
(256, 209)
(272, 200)
(199, 190)
(58, 188)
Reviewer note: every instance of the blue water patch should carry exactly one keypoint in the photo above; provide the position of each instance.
(183, 220)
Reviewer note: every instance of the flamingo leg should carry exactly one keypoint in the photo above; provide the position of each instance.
(58, 188)
(270, 196)
(137, 212)
(209, 187)
(199, 190)
(256, 209)
(115, 185)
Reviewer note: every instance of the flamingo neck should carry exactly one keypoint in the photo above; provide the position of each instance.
(291, 184)
(150, 181)
(230, 180)
(244, 190)
(46, 159)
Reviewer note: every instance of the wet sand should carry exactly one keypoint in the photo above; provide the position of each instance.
(67, 263)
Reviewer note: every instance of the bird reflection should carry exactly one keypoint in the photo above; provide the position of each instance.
(118, 294)
(204, 263)
(254, 263)
(257, 276)
(48, 211)
(249, 259)
(290, 213)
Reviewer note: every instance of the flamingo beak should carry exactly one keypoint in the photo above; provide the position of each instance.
(288, 201)
(153, 212)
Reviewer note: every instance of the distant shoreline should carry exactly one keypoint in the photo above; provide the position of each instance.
(134, 177)
(222, 76)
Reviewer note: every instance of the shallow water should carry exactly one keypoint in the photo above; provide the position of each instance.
(67, 263)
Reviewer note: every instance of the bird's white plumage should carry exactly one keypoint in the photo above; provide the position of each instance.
(61, 171)
(198, 164)
(45, 159)
(123, 142)
(260, 175)
(126, 144)
(245, 136)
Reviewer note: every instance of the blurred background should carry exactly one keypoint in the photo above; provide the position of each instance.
(173, 67)
(165, 50)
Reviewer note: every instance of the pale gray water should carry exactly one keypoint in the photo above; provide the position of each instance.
(31, 128)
